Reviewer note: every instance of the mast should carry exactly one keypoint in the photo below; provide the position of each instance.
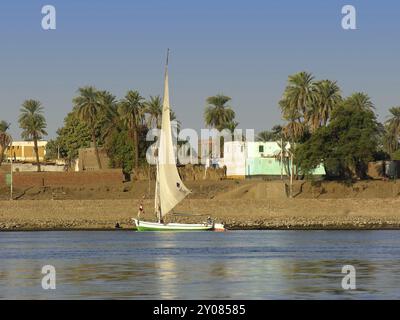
(157, 198)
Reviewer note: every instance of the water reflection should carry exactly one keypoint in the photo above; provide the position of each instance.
(235, 265)
(167, 273)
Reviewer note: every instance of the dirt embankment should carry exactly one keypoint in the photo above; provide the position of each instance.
(237, 214)
(249, 204)
(207, 189)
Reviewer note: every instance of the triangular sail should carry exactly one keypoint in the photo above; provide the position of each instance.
(170, 186)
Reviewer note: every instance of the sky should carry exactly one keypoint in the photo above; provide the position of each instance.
(243, 49)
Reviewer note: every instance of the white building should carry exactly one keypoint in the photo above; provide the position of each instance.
(235, 155)
(251, 159)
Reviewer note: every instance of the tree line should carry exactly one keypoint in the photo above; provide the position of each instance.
(340, 132)
(99, 119)
(320, 124)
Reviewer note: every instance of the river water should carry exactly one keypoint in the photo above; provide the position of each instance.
(202, 265)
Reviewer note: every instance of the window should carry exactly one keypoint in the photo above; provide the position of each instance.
(260, 149)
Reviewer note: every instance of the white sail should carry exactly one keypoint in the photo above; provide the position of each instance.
(157, 194)
(170, 186)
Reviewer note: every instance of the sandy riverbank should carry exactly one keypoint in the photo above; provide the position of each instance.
(250, 204)
(236, 213)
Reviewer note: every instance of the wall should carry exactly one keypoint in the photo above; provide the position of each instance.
(392, 169)
(384, 169)
(270, 149)
(234, 159)
(40, 179)
(244, 159)
(2, 178)
(376, 170)
(187, 173)
(264, 166)
(88, 159)
(30, 167)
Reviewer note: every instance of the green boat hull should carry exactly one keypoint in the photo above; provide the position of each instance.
(172, 227)
(168, 229)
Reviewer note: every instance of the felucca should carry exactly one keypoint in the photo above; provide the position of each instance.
(170, 190)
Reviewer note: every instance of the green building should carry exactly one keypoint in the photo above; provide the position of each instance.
(258, 159)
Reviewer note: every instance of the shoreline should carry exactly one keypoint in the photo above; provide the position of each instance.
(330, 228)
(239, 214)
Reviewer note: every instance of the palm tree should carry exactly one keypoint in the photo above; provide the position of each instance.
(217, 114)
(298, 106)
(283, 156)
(394, 121)
(131, 110)
(173, 117)
(33, 124)
(298, 96)
(232, 126)
(153, 108)
(265, 136)
(4, 126)
(89, 108)
(108, 118)
(273, 135)
(293, 132)
(5, 139)
(220, 116)
(108, 104)
(326, 98)
(277, 131)
(393, 129)
(294, 129)
(360, 101)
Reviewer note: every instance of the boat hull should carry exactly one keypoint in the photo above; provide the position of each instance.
(155, 226)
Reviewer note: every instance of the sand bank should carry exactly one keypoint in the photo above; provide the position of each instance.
(237, 214)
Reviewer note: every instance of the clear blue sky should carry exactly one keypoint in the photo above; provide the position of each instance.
(244, 49)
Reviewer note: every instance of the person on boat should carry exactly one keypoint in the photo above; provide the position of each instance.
(141, 210)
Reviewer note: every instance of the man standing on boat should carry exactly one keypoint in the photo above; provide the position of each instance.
(141, 210)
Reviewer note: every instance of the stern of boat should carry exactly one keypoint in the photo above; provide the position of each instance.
(219, 227)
